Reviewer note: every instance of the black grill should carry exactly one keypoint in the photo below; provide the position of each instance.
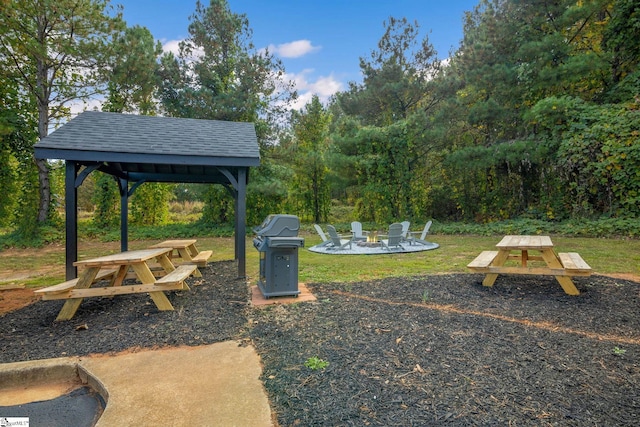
(276, 240)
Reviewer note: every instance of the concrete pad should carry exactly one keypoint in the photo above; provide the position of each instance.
(217, 384)
(258, 300)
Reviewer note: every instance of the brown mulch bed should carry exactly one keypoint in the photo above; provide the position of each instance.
(214, 310)
(429, 350)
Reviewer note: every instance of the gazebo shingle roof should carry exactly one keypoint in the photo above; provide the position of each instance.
(101, 136)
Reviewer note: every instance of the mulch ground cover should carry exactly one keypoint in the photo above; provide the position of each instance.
(406, 351)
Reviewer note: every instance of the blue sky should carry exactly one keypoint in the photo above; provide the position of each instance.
(319, 42)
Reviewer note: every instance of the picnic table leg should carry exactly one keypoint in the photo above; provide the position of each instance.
(72, 304)
(165, 263)
(193, 251)
(185, 254)
(146, 277)
(565, 281)
(498, 261)
(118, 278)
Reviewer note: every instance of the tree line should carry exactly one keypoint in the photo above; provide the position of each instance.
(535, 114)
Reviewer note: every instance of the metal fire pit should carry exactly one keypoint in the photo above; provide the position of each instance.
(276, 240)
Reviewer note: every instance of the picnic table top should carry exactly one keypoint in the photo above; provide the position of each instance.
(128, 257)
(176, 244)
(525, 242)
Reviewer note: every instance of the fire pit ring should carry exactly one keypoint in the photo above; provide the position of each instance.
(366, 244)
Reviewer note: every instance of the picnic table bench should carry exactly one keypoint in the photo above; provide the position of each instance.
(117, 268)
(60, 288)
(563, 265)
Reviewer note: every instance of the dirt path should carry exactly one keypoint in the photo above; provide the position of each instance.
(13, 299)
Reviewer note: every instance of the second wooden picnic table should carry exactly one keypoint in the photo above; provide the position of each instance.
(187, 252)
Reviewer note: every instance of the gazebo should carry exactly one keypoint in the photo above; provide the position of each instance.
(138, 149)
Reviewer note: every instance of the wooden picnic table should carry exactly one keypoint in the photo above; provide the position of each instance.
(563, 265)
(187, 252)
(116, 268)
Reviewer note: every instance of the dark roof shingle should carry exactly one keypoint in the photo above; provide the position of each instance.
(101, 132)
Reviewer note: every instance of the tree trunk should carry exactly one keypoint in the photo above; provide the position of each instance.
(43, 131)
(45, 190)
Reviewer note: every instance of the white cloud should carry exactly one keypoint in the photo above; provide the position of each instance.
(294, 49)
(172, 46)
(323, 86)
(326, 86)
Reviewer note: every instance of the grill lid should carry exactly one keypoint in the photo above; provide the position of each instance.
(278, 225)
(262, 244)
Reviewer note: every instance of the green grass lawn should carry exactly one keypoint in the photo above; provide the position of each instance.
(606, 256)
